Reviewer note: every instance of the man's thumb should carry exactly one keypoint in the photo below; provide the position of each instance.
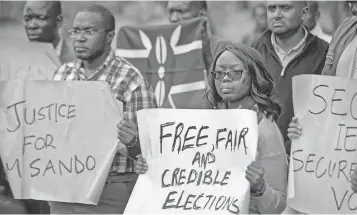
(295, 120)
(126, 115)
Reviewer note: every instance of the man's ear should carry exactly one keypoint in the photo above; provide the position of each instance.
(59, 21)
(110, 36)
(318, 14)
(203, 13)
(304, 11)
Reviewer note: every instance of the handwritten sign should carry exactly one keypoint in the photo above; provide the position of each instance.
(27, 60)
(197, 161)
(324, 156)
(58, 139)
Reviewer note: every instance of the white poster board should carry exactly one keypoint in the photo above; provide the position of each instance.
(58, 139)
(325, 154)
(197, 161)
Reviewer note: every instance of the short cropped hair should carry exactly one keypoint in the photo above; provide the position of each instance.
(202, 5)
(107, 16)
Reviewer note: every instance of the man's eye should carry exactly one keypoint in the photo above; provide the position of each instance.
(286, 8)
(89, 33)
(271, 8)
(41, 17)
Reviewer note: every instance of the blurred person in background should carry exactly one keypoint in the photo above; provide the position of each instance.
(259, 13)
(183, 10)
(42, 21)
(289, 49)
(341, 56)
(312, 21)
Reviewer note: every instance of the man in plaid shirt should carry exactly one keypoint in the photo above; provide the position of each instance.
(93, 31)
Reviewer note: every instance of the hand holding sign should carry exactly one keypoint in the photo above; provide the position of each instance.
(255, 176)
(127, 130)
(294, 130)
(141, 166)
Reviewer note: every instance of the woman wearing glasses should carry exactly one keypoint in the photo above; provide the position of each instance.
(239, 80)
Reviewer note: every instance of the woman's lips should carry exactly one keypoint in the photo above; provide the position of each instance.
(226, 90)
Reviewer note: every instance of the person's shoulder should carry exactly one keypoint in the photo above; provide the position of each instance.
(321, 43)
(348, 22)
(347, 25)
(67, 52)
(271, 141)
(68, 65)
(126, 69)
(64, 70)
(262, 40)
(317, 44)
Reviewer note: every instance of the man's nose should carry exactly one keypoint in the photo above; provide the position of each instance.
(32, 24)
(277, 13)
(175, 17)
(81, 38)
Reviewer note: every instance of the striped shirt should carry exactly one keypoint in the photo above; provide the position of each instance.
(127, 85)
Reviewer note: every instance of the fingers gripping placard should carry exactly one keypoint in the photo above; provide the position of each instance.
(324, 156)
(197, 161)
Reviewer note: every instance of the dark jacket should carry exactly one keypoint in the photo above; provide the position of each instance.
(309, 61)
(342, 37)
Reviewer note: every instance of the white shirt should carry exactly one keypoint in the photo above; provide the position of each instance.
(59, 48)
(287, 57)
(317, 31)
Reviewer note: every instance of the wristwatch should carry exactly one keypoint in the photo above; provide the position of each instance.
(258, 193)
(133, 141)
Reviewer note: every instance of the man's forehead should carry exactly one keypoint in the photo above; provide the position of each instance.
(38, 6)
(179, 4)
(88, 20)
(277, 3)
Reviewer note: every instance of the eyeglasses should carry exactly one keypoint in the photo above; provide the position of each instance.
(86, 33)
(232, 74)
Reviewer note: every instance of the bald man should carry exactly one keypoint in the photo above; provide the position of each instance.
(42, 21)
(289, 50)
(311, 21)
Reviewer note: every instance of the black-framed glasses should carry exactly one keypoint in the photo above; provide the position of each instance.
(86, 33)
(232, 74)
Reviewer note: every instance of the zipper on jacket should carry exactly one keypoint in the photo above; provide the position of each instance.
(295, 58)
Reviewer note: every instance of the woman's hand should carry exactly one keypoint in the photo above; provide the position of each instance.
(294, 130)
(141, 166)
(255, 175)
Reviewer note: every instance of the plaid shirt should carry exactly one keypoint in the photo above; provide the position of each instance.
(128, 86)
